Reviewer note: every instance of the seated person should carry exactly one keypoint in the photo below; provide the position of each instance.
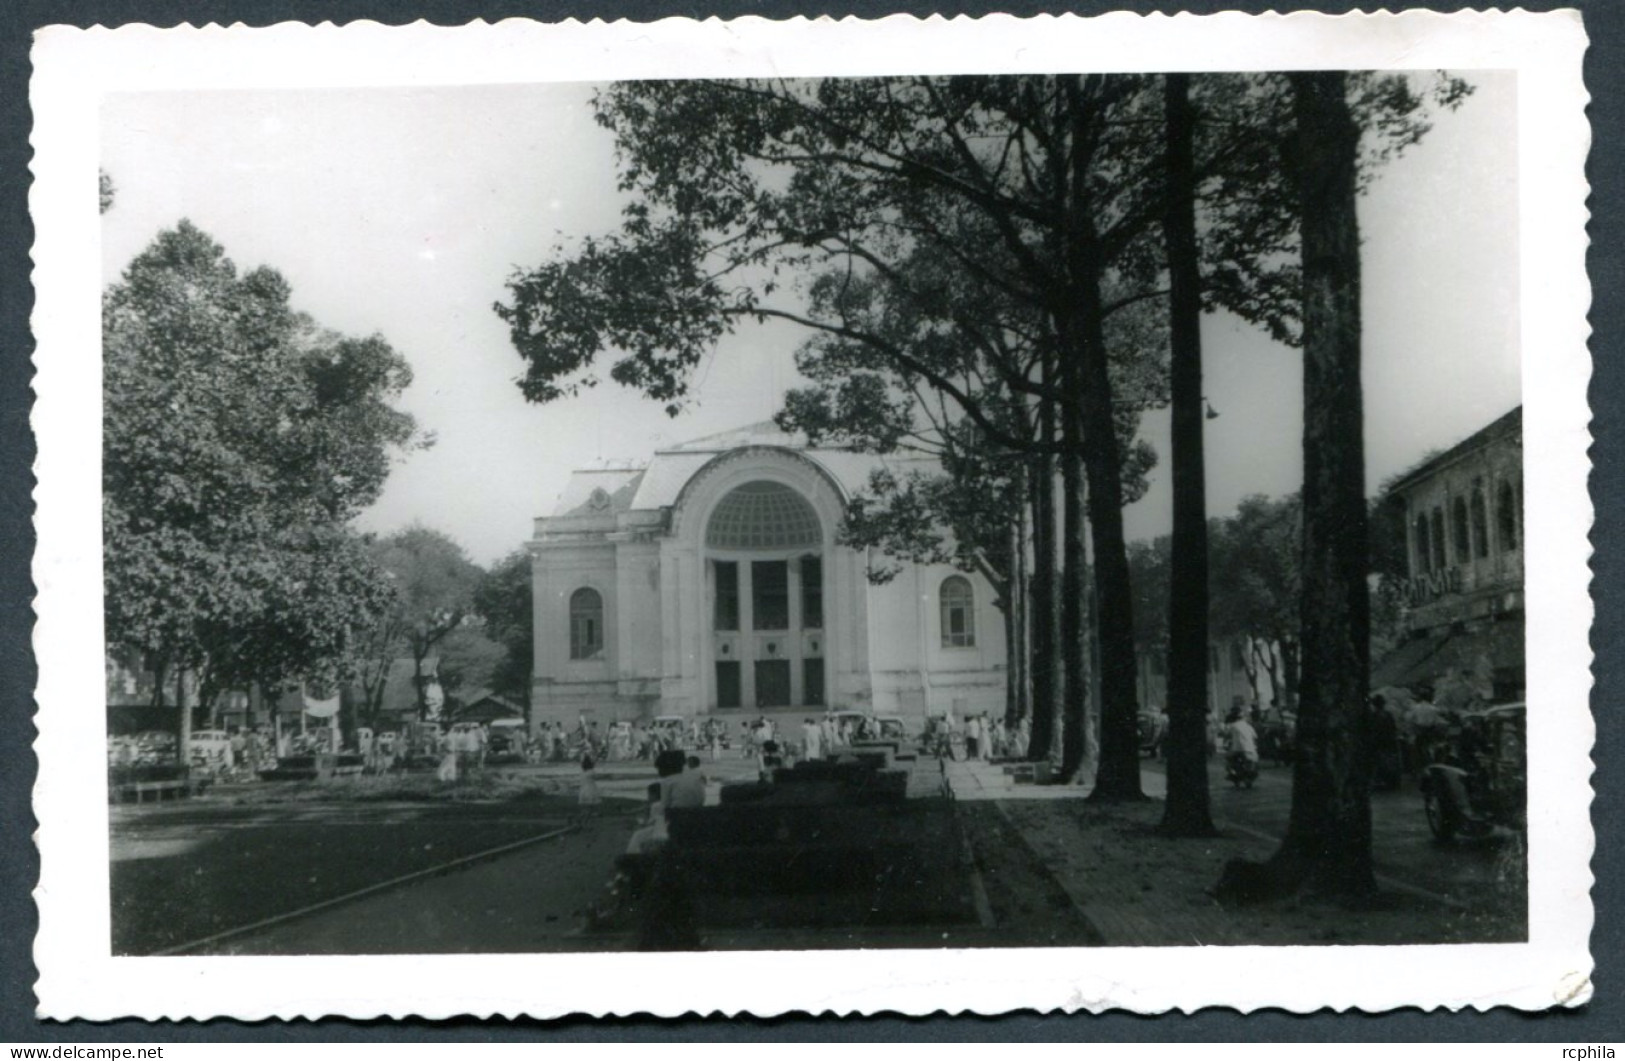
(686, 789)
(649, 836)
(770, 758)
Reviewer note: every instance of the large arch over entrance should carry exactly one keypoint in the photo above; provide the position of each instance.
(764, 573)
(770, 612)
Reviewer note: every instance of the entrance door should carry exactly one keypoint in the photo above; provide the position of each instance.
(767, 639)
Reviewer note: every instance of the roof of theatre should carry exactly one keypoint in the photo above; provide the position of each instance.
(658, 483)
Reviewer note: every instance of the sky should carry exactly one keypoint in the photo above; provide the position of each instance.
(402, 212)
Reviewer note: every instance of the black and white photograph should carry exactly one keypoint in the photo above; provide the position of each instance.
(974, 516)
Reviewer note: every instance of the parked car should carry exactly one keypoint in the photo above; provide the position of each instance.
(891, 727)
(865, 726)
(858, 723)
(1479, 780)
(506, 741)
(209, 747)
(672, 729)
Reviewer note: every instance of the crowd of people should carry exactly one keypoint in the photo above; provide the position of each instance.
(979, 736)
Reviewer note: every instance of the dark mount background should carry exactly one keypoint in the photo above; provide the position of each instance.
(1601, 1021)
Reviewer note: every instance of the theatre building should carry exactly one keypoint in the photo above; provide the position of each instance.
(709, 582)
(1464, 594)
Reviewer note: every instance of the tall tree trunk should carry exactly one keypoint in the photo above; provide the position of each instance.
(185, 696)
(1328, 837)
(1015, 707)
(1040, 485)
(1291, 670)
(1186, 812)
(1268, 655)
(420, 681)
(1011, 620)
(160, 675)
(1087, 382)
(1249, 667)
(1074, 587)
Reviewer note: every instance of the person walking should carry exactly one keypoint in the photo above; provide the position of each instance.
(814, 736)
(587, 795)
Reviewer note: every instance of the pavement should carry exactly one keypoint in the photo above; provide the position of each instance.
(1129, 911)
(1405, 851)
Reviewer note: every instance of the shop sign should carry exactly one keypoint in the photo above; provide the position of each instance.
(1426, 588)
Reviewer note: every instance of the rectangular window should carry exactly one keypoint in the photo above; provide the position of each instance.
(584, 640)
(812, 593)
(1481, 525)
(727, 609)
(770, 596)
(728, 694)
(772, 683)
(812, 682)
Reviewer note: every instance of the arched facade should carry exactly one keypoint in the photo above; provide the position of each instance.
(711, 544)
(725, 593)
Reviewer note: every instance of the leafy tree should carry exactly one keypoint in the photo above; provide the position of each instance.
(238, 441)
(1044, 194)
(434, 582)
(105, 189)
(864, 400)
(1256, 582)
(469, 659)
(503, 599)
(1019, 182)
(1149, 565)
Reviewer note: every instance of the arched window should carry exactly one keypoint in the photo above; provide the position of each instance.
(1481, 524)
(1458, 521)
(763, 515)
(1439, 561)
(1506, 517)
(586, 624)
(1424, 554)
(958, 613)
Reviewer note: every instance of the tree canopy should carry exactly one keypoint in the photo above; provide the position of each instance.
(239, 439)
(503, 600)
(432, 583)
(968, 246)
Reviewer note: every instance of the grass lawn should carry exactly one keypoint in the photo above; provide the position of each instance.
(182, 871)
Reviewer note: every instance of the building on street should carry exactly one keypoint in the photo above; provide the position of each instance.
(1464, 626)
(708, 581)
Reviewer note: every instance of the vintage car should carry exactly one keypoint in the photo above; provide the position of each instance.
(672, 729)
(864, 726)
(209, 748)
(506, 741)
(1478, 780)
